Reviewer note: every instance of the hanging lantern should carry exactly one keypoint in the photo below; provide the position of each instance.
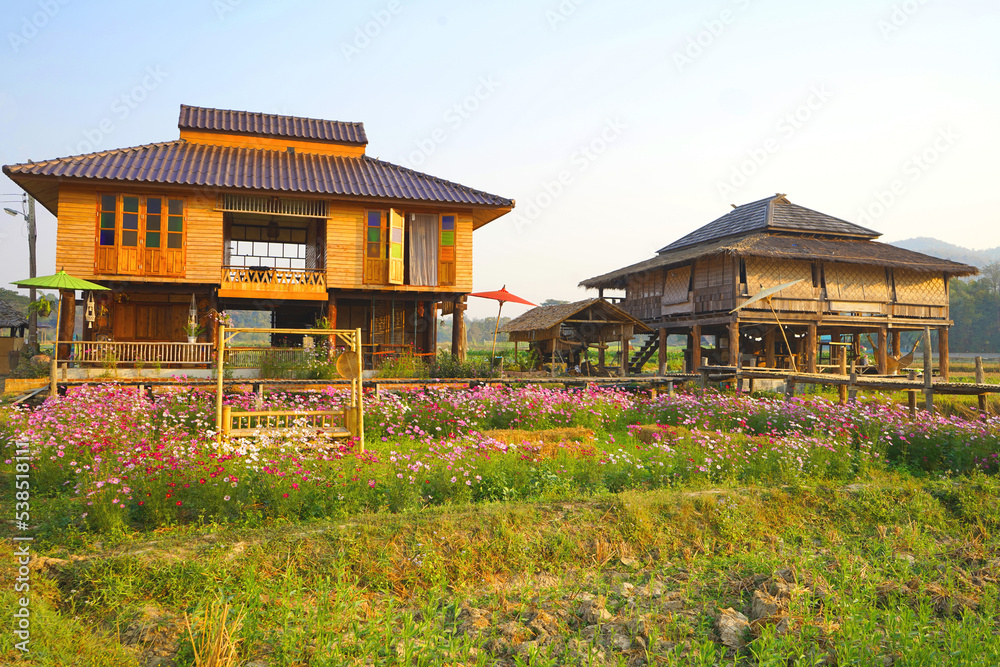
(90, 314)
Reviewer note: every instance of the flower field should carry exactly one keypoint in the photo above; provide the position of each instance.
(110, 459)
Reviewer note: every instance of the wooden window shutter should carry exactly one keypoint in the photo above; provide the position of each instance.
(395, 247)
(446, 251)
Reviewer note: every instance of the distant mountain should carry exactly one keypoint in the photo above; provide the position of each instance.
(945, 250)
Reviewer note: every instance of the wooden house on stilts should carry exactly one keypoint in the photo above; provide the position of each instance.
(254, 211)
(849, 286)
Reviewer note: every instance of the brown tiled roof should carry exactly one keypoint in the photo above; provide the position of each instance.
(774, 213)
(787, 246)
(546, 317)
(270, 125)
(10, 317)
(222, 167)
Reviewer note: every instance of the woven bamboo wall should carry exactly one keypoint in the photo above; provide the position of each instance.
(918, 287)
(763, 273)
(856, 282)
(675, 286)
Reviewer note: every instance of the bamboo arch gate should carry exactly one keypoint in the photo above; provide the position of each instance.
(346, 422)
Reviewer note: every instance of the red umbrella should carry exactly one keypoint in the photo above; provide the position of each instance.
(503, 296)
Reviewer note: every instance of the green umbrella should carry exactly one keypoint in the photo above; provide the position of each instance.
(60, 281)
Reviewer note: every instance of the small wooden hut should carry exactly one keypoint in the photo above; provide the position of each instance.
(14, 323)
(567, 330)
(848, 285)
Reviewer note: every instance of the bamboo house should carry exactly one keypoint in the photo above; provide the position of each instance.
(848, 286)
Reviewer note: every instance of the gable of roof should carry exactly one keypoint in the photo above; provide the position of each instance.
(270, 125)
(771, 214)
(240, 168)
(546, 317)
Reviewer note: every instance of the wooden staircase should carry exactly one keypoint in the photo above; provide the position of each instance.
(644, 353)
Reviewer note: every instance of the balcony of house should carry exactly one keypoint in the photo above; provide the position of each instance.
(273, 257)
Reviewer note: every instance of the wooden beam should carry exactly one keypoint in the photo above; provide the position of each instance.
(894, 342)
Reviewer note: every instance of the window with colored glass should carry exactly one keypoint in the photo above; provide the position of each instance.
(107, 216)
(175, 223)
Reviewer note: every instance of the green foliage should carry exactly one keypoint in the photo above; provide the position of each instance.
(26, 368)
(975, 307)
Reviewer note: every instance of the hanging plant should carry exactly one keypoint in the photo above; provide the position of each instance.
(42, 306)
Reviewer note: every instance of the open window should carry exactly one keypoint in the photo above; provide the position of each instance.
(412, 249)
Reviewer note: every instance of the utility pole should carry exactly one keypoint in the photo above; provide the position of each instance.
(33, 316)
(29, 217)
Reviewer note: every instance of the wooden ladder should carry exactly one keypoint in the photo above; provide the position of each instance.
(643, 354)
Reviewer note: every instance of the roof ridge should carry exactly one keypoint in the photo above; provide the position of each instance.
(276, 115)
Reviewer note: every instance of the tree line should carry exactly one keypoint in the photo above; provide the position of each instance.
(975, 308)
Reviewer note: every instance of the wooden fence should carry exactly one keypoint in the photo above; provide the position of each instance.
(112, 352)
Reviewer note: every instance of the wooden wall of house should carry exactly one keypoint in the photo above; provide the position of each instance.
(714, 283)
(76, 235)
(345, 236)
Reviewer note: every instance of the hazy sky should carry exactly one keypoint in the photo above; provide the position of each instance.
(616, 126)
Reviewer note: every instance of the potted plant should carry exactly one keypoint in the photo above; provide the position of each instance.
(193, 330)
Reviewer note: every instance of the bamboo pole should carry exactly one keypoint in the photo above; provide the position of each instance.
(361, 391)
(220, 351)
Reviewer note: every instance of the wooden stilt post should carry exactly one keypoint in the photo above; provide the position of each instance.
(662, 333)
(883, 350)
(458, 332)
(695, 342)
(842, 389)
(928, 385)
(894, 342)
(981, 379)
(624, 345)
(769, 348)
(852, 388)
(812, 344)
(911, 396)
(734, 342)
(944, 366)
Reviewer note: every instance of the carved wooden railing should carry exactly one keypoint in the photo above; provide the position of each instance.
(112, 352)
(256, 279)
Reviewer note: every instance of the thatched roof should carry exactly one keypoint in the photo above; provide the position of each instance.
(790, 247)
(776, 228)
(10, 317)
(546, 317)
(772, 214)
